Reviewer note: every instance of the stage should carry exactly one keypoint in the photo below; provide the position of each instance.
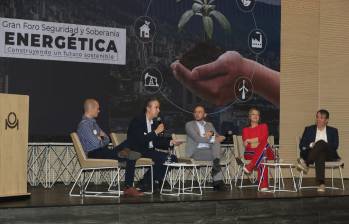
(237, 206)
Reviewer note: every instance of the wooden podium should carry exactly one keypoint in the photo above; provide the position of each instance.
(14, 111)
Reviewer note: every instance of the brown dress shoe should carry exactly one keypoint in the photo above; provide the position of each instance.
(127, 153)
(302, 166)
(133, 192)
(124, 153)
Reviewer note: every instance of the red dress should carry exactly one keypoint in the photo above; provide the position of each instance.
(256, 155)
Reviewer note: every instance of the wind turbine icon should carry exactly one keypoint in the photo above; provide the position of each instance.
(243, 90)
(246, 3)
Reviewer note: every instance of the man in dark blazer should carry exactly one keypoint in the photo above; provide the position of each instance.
(318, 144)
(144, 135)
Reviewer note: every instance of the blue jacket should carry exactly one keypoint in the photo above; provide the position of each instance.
(309, 136)
(138, 137)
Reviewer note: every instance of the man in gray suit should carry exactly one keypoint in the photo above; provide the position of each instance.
(203, 143)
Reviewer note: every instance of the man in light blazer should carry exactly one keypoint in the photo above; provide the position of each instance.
(203, 143)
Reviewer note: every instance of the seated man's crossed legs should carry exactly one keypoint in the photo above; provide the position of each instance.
(319, 154)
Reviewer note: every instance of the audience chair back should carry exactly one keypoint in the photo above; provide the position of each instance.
(90, 166)
(271, 140)
(86, 162)
(79, 150)
(298, 140)
(179, 151)
(238, 146)
(117, 138)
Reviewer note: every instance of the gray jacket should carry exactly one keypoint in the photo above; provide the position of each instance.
(194, 137)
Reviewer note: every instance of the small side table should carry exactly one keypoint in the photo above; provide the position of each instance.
(279, 185)
(175, 176)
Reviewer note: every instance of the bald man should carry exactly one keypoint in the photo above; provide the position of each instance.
(95, 144)
(203, 143)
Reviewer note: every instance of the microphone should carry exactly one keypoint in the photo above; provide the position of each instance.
(159, 121)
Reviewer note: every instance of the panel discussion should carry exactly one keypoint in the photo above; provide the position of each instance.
(174, 111)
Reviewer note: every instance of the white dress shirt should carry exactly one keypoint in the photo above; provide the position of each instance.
(321, 135)
(201, 126)
(149, 123)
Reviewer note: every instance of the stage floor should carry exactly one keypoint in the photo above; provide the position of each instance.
(54, 206)
(59, 196)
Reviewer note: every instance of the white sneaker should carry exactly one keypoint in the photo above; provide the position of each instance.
(321, 188)
(264, 189)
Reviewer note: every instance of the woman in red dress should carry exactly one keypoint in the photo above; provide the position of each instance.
(257, 148)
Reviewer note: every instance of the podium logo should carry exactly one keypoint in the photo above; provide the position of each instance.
(11, 121)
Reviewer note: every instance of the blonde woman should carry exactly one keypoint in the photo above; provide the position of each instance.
(255, 138)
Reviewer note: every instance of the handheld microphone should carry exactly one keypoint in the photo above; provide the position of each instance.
(159, 121)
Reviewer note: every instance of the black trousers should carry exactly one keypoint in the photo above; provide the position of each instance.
(159, 158)
(106, 153)
(319, 154)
